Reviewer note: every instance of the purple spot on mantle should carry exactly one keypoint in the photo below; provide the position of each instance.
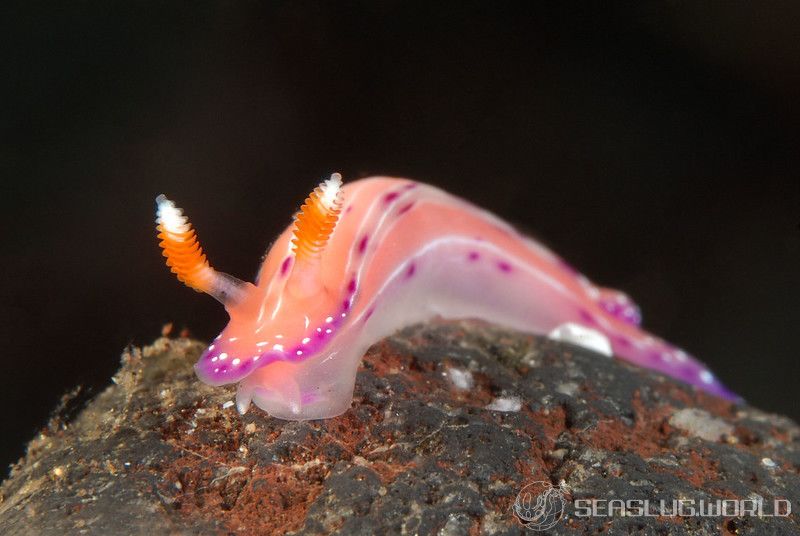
(474, 256)
(391, 196)
(362, 244)
(348, 209)
(504, 266)
(623, 341)
(411, 269)
(369, 313)
(351, 287)
(567, 267)
(585, 316)
(346, 305)
(405, 208)
(410, 186)
(287, 262)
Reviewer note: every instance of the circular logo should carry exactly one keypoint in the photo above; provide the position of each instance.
(539, 505)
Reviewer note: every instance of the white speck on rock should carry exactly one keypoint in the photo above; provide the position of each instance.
(461, 379)
(579, 335)
(768, 462)
(456, 524)
(699, 423)
(227, 404)
(567, 388)
(506, 403)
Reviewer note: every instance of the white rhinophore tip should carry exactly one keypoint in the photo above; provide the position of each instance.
(170, 217)
(330, 191)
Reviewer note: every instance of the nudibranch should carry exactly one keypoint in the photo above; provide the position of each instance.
(363, 260)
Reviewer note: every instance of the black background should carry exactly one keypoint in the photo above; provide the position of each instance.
(652, 145)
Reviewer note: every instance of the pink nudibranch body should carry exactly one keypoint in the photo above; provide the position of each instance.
(377, 255)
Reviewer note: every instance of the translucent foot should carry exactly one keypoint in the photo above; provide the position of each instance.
(276, 390)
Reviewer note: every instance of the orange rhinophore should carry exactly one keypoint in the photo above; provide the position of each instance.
(313, 227)
(186, 259)
(179, 243)
(316, 220)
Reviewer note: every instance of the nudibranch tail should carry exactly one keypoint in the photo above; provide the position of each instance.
(185, 257)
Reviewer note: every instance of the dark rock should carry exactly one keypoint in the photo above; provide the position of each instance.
(418, 453)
